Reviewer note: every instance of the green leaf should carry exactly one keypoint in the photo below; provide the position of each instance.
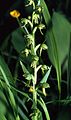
(45, 78)
(7, 78)
(24, 117)
(18, 91)
(5, 43)
(3, 108)
(43, 105)
(12, 99)
(22, 104)
(54, 56)
(61, 30)
(24, 68)
(45, 11)
(2, 117)
(5, 72)
(58, 43)
(18, 40)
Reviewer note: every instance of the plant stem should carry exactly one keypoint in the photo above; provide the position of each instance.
(34, 85)
(23, 30)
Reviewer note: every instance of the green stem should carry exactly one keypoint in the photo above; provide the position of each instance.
(23, 30)
(34, 84)
(35, 93)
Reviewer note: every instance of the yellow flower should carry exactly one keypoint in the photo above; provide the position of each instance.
(15, 13)
(31, 89)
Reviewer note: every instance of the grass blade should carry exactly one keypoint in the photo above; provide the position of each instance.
(22, 103)
(24, 117)
(2, 117)
(45, 11)
(43, 105)
(7, 78)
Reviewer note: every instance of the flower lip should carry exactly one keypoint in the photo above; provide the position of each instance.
(15, 13)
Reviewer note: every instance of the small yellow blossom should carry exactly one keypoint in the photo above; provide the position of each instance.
(31, 89)
(15, 13)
